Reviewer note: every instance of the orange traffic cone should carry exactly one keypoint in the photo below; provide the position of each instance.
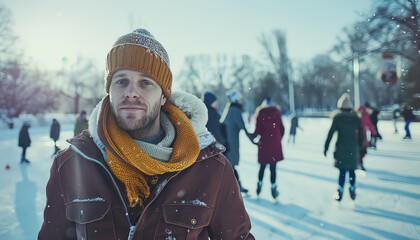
(7, 167)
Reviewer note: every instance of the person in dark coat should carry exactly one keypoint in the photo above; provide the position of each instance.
(294, 124)
(24, 141)
(269, 127)
(396, 113)
(81, 123)
(349, 142)
(363, 113)
(213, 123)
(55, 133)
(232, 118)
(408, 115)
(374, 119)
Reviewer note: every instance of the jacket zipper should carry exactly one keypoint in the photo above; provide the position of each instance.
(132, 227)
(161, 189)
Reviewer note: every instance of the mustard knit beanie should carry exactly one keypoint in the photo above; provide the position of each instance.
(140, 51)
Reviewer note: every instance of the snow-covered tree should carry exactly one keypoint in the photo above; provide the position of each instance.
(7, 37)
(24, 90)
(275, 48)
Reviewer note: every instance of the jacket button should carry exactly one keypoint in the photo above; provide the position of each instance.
(193, 221)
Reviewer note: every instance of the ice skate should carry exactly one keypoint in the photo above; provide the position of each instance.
(362, 167)
(274, 191)
(259, 186)
(352, 190)
(24, 161)
(338, 195)
(243, 190)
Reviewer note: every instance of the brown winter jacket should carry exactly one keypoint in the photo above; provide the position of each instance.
(86, 201)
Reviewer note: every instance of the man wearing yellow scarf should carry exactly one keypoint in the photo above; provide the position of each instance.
(147, 168)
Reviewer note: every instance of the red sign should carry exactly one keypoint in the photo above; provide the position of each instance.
(389, 73)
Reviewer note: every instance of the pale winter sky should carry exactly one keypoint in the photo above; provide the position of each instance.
(50, 29)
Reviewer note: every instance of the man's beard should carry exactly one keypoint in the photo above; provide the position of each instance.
(131, 122)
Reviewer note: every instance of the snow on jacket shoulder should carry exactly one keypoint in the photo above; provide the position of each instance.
(86, 201)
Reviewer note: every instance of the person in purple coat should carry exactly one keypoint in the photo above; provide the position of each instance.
(269, 127)
(364, 115)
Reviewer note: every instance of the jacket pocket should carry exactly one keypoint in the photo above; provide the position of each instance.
(87, 212)
(93, 219)
(187, 215)
(184, 221)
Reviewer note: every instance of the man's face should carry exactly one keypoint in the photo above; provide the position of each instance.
(135, 99)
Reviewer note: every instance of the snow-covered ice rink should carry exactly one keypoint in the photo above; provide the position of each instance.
(387, 204)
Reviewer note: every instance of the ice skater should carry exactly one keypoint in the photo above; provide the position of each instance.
(55, 134)
(232, 118)
(408, 115)
(363, 113)
(213, 123)
(24, 140)
(269, 127)
(294, 125)
(81, 123)
(374, 119)
(349, 142)
(396, 113)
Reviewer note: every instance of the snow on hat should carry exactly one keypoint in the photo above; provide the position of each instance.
(266, 102)
(344, 101)
(209, 98)
(140, 51)
(234, 96)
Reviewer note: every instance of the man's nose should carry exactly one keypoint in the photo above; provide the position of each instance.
(131, 91)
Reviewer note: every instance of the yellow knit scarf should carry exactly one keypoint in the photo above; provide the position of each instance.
(134, 167)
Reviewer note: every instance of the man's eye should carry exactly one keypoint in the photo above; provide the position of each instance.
(121, 81)
(146, 83)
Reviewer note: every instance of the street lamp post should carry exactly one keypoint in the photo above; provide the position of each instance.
(356, 80)
(291, 90)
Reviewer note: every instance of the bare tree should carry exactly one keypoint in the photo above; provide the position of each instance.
(95, 86)
(197, 74)
(24, 90)
(77, 75)
(276, 52)
(218, 87)
(320, 82)
(411, 87)
(7, 37)
(395, 28)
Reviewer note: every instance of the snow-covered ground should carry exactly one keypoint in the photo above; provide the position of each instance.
(387, 204)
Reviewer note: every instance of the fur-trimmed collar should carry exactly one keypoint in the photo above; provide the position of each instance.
(192, 106)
